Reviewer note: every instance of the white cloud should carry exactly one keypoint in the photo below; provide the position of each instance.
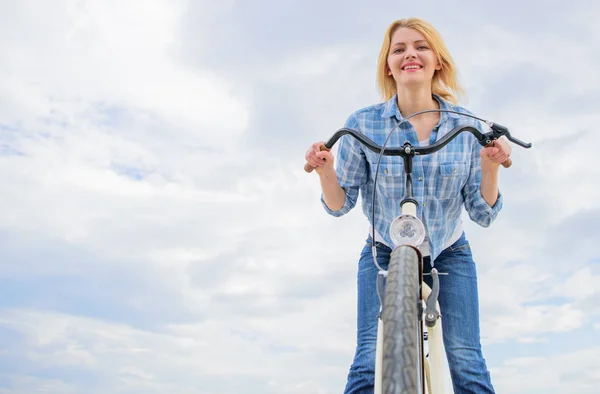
(183, 241)
(120, 55)
(132, 359)
(535, 320)
(88, 60)
(579, 286)
(318, 62)
(562, 373)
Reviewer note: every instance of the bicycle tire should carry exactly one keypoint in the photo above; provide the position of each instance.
(401, 348)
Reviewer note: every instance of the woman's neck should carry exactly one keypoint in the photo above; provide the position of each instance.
(412, 101)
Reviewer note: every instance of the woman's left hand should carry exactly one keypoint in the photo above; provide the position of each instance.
(493, 156)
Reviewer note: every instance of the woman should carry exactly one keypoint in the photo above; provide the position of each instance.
(416, 73)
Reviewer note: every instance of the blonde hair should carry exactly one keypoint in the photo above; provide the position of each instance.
(445, 81)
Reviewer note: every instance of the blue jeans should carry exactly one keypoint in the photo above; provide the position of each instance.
(460, 313)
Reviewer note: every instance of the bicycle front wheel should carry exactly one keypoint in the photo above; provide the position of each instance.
(401, 366)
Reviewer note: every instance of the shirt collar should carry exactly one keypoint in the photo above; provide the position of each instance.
(391, 109)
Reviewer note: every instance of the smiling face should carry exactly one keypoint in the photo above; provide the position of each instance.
(416, 40)
(411, 61)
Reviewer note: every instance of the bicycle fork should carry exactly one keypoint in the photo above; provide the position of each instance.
(435, 373)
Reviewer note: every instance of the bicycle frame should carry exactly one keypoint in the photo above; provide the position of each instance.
(431, 374)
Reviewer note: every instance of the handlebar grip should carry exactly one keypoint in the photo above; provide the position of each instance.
(307, 167)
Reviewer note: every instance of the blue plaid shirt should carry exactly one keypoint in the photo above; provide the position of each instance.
(442, 182)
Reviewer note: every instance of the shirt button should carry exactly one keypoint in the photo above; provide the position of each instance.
(385, 171)
(420, 178)
(423, 205)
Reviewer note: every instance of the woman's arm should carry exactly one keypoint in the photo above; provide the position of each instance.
(491, 158)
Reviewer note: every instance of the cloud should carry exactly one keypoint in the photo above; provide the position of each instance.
(158, 233)
(195, 356)
(95, 55)
(562, 373)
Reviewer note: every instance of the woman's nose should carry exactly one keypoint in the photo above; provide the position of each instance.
(410, 53)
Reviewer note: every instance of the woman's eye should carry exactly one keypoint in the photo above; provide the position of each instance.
(398, 50)
(422, 47)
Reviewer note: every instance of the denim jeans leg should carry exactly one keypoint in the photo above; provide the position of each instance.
(361, 377)
(459, 306)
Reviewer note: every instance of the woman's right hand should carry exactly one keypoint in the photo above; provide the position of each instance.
(319, 158)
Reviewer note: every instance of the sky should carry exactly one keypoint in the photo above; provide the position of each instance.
(159, 235)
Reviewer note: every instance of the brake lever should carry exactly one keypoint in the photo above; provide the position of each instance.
(498, 131)
(518, 142)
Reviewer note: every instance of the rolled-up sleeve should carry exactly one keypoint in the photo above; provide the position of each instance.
(478, 209)
(350, 168)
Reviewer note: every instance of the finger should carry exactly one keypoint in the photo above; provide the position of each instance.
(320, 163)
(315, 162)
(499, 155)
(318, 146)
(502, 157)
(489, 151)
(324, 155)
(312, 158)
(309, 153)
(501, 151)
(499, 159)
(315, 149)
(504, 146)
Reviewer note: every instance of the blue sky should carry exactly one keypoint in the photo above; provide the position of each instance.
(158, 234)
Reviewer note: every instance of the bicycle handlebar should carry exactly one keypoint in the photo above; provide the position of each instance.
(484, 139)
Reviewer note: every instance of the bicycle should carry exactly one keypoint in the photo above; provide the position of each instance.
(401, 365)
